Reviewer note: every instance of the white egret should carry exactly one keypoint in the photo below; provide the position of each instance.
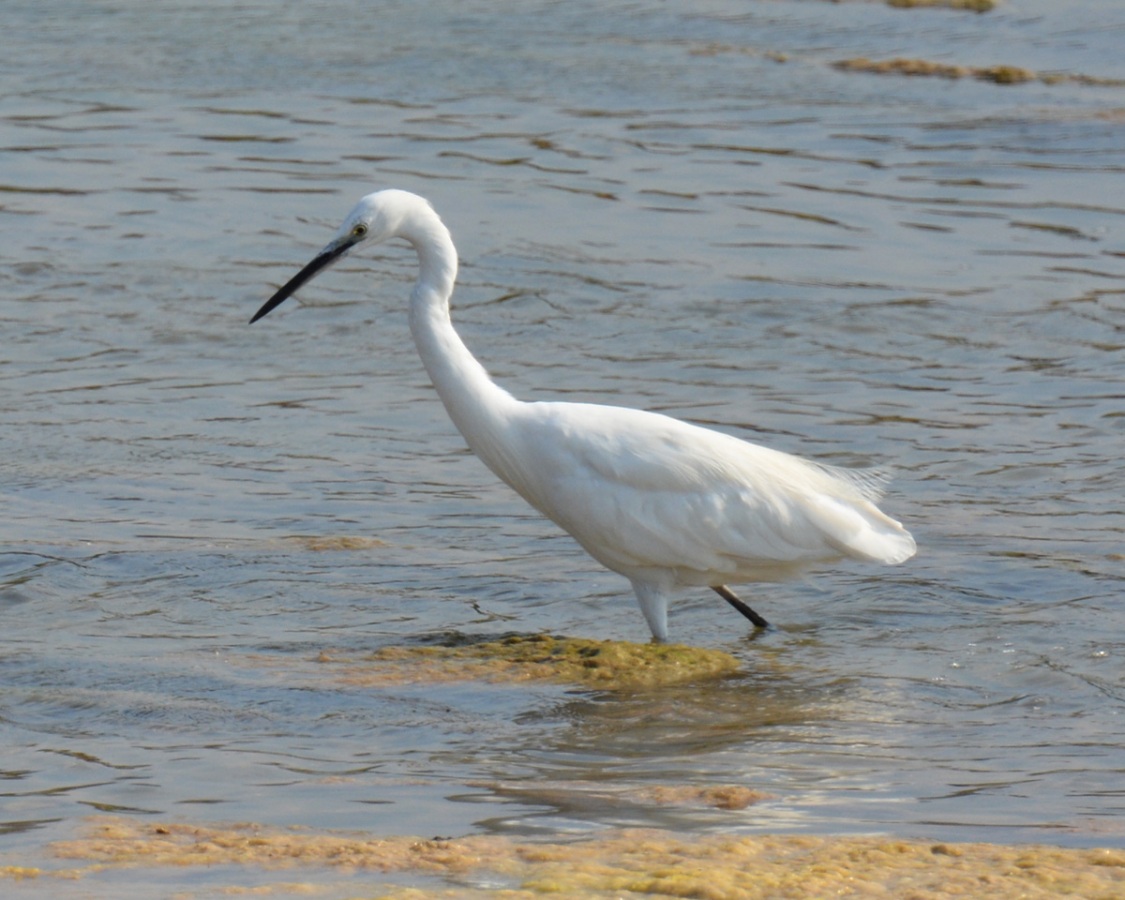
(664, 503)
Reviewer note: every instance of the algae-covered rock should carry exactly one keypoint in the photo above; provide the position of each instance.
(610, 665)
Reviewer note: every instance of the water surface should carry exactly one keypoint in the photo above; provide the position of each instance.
(685, 208)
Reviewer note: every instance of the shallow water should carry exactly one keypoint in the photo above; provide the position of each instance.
(684, 208)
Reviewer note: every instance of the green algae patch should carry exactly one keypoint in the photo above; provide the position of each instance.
(977, 6)
(929, 69)
(336, 543)
(1000, 74)
(608, 665)
(640, 863)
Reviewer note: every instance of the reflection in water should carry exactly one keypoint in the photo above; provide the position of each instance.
(620, 752)
(852, 267)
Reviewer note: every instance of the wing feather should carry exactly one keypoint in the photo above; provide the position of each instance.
(644, 491)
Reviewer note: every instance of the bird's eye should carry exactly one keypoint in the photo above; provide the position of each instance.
(359, 231)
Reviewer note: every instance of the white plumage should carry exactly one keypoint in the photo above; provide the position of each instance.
(662, 502)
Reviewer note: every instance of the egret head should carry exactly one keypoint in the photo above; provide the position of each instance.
(376, 218)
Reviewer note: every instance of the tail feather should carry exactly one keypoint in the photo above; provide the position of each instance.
(864, 532)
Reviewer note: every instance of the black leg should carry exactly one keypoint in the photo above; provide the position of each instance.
(727, 594)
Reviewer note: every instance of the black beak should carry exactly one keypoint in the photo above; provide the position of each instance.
(318, 264)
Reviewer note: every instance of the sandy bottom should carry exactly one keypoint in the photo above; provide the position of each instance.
(620, 863)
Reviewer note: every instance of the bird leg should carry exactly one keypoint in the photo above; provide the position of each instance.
(727, 594)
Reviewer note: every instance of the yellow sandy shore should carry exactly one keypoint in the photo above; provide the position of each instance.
(621, 863)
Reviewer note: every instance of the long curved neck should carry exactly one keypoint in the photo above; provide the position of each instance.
(478, 407)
